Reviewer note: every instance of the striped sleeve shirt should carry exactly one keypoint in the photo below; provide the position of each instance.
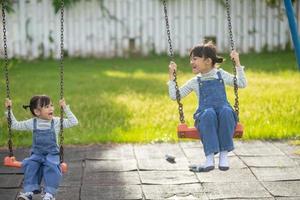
(192, 84)
(27, 125)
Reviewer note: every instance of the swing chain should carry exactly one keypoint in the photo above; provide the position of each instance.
(171, 55)
(61, 79)
(6, 78)
(236, 102)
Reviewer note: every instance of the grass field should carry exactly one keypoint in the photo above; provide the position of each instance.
(126, 100)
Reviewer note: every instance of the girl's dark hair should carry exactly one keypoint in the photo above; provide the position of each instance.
(206, 50)
(37, 101)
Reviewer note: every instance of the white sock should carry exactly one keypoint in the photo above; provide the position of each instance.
(48, 195)
(210, 160)
(223, 161)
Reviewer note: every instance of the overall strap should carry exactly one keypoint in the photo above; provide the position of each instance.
(219, 74)
(34, 123)
(199, 79)
(52, 124)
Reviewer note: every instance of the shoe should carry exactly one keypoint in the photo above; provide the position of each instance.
(223, 168)
(25, 196)
(200, 168)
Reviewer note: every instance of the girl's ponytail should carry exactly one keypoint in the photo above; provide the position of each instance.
(26, 106)
(219, 59)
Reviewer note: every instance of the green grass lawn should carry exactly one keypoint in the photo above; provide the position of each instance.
(126, 100)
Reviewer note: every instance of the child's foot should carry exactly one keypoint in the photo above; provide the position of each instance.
(25, 196)
(223, 161)
(208, 165)
(48, 196)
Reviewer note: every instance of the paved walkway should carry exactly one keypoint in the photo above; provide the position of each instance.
(259, 170)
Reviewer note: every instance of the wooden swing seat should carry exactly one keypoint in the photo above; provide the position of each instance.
(184, 131)
(10, 161)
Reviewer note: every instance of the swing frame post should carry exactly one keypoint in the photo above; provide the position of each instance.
(293, 28)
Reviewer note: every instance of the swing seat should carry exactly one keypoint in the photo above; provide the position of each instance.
(184, 131)
(10, 161)
(64, 167)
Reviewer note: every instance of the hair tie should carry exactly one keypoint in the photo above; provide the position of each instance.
(219, 60)
(26, 106)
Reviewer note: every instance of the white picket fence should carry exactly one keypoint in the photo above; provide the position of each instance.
(110, 28)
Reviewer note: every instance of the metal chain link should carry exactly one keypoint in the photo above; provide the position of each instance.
(236, 101)
(171, 55)
(6, 78)
(61, 79)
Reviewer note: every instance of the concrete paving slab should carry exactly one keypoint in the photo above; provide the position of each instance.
(237, 190)
(68, 193)
(287, 148)
(111, 192)
(111, 152)
(190, 144)
(257, 148)
(180, 164)
(37, 197)
(75, 154)
(190, 197)
(110, 165)
(10, 170)
(168, 177)
(269, 161)
(199, 153)
(194, 152)
(240, 143)
(10, 181)
(232, 175)
(277, 174)
(297, 160)
(74, 174)
(157, 151)
(283, 188)
(111, 178)
(8, 194)
(22, 153)
(259, 198)
(188, 191)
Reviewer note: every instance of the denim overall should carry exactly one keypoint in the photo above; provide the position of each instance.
(44, 161)
(215, 118)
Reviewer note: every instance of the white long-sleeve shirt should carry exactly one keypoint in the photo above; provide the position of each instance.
(193, 85)
(27, 125)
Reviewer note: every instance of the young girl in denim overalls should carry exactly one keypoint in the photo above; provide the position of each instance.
(44, 162)
(215, 119)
